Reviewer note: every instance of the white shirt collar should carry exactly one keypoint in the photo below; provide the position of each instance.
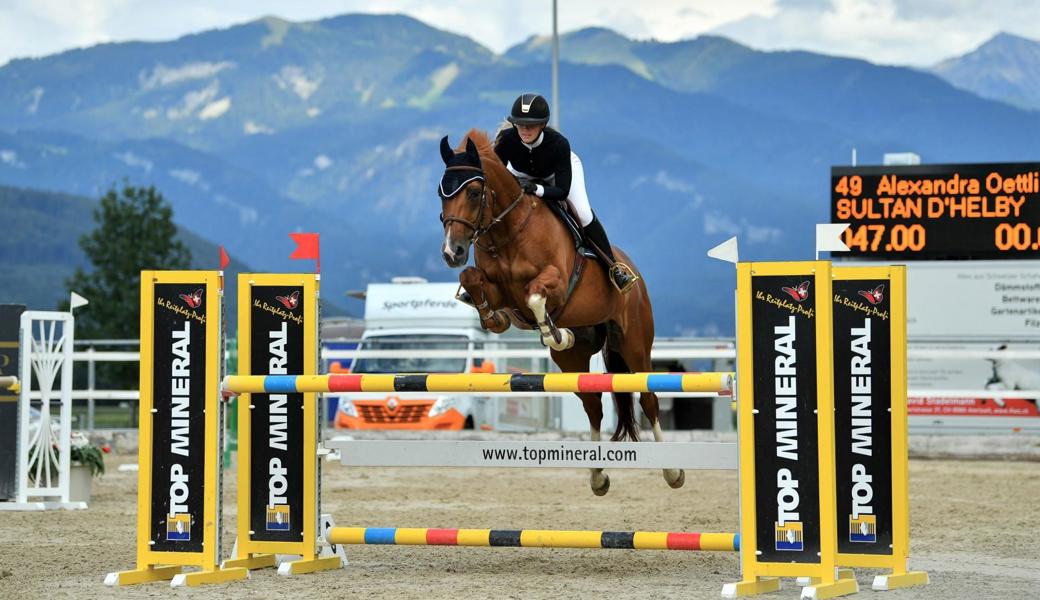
(536, 143)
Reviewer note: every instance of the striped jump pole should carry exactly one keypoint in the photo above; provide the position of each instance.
(535, 538)
(719, 383)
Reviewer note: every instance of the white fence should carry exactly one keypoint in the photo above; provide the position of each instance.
(719, 351)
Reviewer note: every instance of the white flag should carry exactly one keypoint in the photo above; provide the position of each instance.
(828, 237)
(726, 251)
(76, 301)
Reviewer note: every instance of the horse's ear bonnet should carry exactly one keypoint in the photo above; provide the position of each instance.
(460, 169)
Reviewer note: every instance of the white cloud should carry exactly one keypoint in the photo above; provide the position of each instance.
(294, 78)
(322, 162)
(34, 104)
(903, 32)
(253, 128)
(191, 177)
(132, 160)
(193, 101)
(215, 109)
(715, 223)
(897, 31)
(10, 157)
(162, 75)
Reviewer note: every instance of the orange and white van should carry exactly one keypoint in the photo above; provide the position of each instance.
(412, 326)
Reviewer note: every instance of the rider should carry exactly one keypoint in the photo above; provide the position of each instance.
(541, 158)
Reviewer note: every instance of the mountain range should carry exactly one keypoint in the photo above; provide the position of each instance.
(1006, 67)
(332, 126)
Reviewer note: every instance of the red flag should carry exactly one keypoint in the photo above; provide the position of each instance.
(307, 247)
(224, 258)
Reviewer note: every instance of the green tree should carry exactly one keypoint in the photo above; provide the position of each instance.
(134, 231)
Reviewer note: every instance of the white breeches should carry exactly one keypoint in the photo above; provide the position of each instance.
(578, 199)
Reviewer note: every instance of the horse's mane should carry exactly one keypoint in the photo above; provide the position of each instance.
(483, 143)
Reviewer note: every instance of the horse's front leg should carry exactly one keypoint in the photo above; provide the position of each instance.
(487, 299)
(548, 286)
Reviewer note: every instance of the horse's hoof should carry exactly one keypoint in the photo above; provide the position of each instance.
(603, 489)
(679, 481)
(566, 341)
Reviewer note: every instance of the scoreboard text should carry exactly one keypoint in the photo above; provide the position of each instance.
(928, 212)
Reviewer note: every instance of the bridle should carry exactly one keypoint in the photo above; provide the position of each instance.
(478, 229)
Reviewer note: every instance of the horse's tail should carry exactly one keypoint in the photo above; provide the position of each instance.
(623, 401)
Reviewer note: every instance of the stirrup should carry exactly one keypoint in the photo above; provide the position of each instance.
(626, 272)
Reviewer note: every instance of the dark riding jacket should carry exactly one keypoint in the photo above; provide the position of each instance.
(547, 161)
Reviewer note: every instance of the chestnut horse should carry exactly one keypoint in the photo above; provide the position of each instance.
(524, 264)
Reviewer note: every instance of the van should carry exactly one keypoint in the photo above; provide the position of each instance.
(425, 330)
(422, 328)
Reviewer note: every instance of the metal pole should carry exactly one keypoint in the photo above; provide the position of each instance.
(555, 117)
(90, 389)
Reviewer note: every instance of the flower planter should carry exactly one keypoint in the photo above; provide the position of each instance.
(79, 483)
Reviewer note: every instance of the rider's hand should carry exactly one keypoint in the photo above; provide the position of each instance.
(530, 187)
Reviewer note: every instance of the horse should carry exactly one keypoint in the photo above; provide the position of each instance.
(528, 274)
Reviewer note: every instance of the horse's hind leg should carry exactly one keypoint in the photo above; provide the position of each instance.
(593, 403)
(576, 360)
(636, 352)
(648, 400)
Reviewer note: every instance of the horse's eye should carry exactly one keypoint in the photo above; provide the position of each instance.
(473, 193)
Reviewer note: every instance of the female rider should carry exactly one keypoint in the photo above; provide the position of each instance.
(541, 158)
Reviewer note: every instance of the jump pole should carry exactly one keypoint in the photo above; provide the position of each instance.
(535, 538)
(483, 382)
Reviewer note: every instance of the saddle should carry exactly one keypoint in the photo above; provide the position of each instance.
(561, 210)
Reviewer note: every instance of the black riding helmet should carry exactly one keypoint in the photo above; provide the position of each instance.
(529, 109)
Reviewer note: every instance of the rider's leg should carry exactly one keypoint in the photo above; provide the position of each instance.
(578, 198)
(597, 235)
(620, 274)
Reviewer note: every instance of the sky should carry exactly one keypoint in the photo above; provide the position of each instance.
(903, 32)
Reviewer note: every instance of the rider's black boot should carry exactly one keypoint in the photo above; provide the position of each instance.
(621, 275)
